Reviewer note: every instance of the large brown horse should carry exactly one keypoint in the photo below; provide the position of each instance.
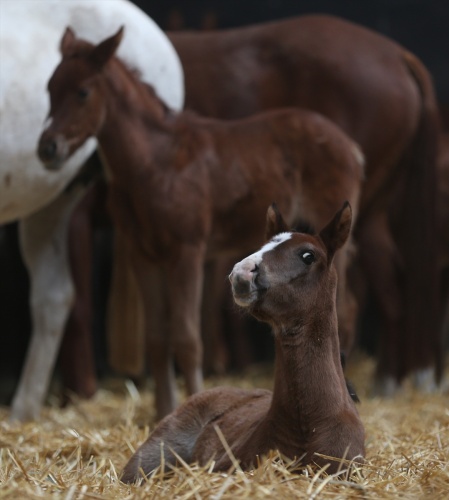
(443, 211)
(184, 189)
(383, 97)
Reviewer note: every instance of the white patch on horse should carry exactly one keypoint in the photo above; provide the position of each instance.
(255, 259)
(47, 123)
(273, 243)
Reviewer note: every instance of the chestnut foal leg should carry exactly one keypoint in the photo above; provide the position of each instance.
(150, 279)
(215, 351)
(76, 356)
(184, 291)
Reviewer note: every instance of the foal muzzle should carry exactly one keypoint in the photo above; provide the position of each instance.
(245, 288)
(52, 150)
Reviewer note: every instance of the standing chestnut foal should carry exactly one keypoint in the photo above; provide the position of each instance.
(184, 189)
(291, 284)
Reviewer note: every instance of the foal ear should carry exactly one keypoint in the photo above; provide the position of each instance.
(335, 234)
(67, 41)
(102, 52)
(275, 222)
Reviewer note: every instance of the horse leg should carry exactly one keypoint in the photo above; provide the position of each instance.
(125, 314)
(43, 240)
(76, 357)
(216, 355)
(347, 306)
(152, 285)
(381, 265)
(184, 292)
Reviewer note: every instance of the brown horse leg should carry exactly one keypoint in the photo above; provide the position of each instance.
(215, 356)
(380, 261)
(76, 357)
(346, 303)
(126, 315)
(150, 279)
(184, 291)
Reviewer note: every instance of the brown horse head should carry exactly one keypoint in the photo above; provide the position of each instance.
(76, 100)
(292, 267)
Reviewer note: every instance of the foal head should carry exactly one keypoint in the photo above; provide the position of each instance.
(293, 273)
(76, 97)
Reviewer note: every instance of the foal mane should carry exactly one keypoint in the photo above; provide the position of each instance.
(305, 227)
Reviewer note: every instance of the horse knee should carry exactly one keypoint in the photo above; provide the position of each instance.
(51, 308)
(188, 350)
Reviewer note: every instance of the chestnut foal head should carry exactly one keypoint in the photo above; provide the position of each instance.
(77, 97)
(293, 272)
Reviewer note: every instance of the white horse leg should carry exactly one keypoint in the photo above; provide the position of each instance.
(43, 240)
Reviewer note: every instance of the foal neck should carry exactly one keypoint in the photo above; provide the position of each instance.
(135, 126)
(309, 384)
(134, 98)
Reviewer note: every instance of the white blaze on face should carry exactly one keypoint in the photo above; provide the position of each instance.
(246, 265)
(47, 123)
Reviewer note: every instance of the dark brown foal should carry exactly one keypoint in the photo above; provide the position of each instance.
(290, 283)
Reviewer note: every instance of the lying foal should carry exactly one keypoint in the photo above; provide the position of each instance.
(291, 284)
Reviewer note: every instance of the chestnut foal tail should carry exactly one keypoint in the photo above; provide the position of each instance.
(185, 189)
(291, 284)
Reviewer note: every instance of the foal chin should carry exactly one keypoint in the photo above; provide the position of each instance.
(57, 150)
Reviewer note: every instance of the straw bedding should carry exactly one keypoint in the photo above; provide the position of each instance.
(78, 452)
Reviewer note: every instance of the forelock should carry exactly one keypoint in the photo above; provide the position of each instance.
(305, 227)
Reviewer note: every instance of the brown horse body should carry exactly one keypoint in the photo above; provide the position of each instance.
(382, 96)
(185, 189)
(443, 211)
(291, 284)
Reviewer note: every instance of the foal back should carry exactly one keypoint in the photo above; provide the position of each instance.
(295, 157)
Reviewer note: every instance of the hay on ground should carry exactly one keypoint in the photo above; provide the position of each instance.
(78, 452)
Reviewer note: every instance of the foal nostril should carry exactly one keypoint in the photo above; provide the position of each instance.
(47, 149)
(255, 269)
(240, 286)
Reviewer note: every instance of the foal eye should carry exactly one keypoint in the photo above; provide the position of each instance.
(307, 257)
(83, 93)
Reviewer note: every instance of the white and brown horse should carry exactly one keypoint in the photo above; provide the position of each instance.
(42, 200)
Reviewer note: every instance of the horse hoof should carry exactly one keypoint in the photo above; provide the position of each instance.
(425, 380)
(385, 387)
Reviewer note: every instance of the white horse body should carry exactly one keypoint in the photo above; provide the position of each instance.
(30, 32)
